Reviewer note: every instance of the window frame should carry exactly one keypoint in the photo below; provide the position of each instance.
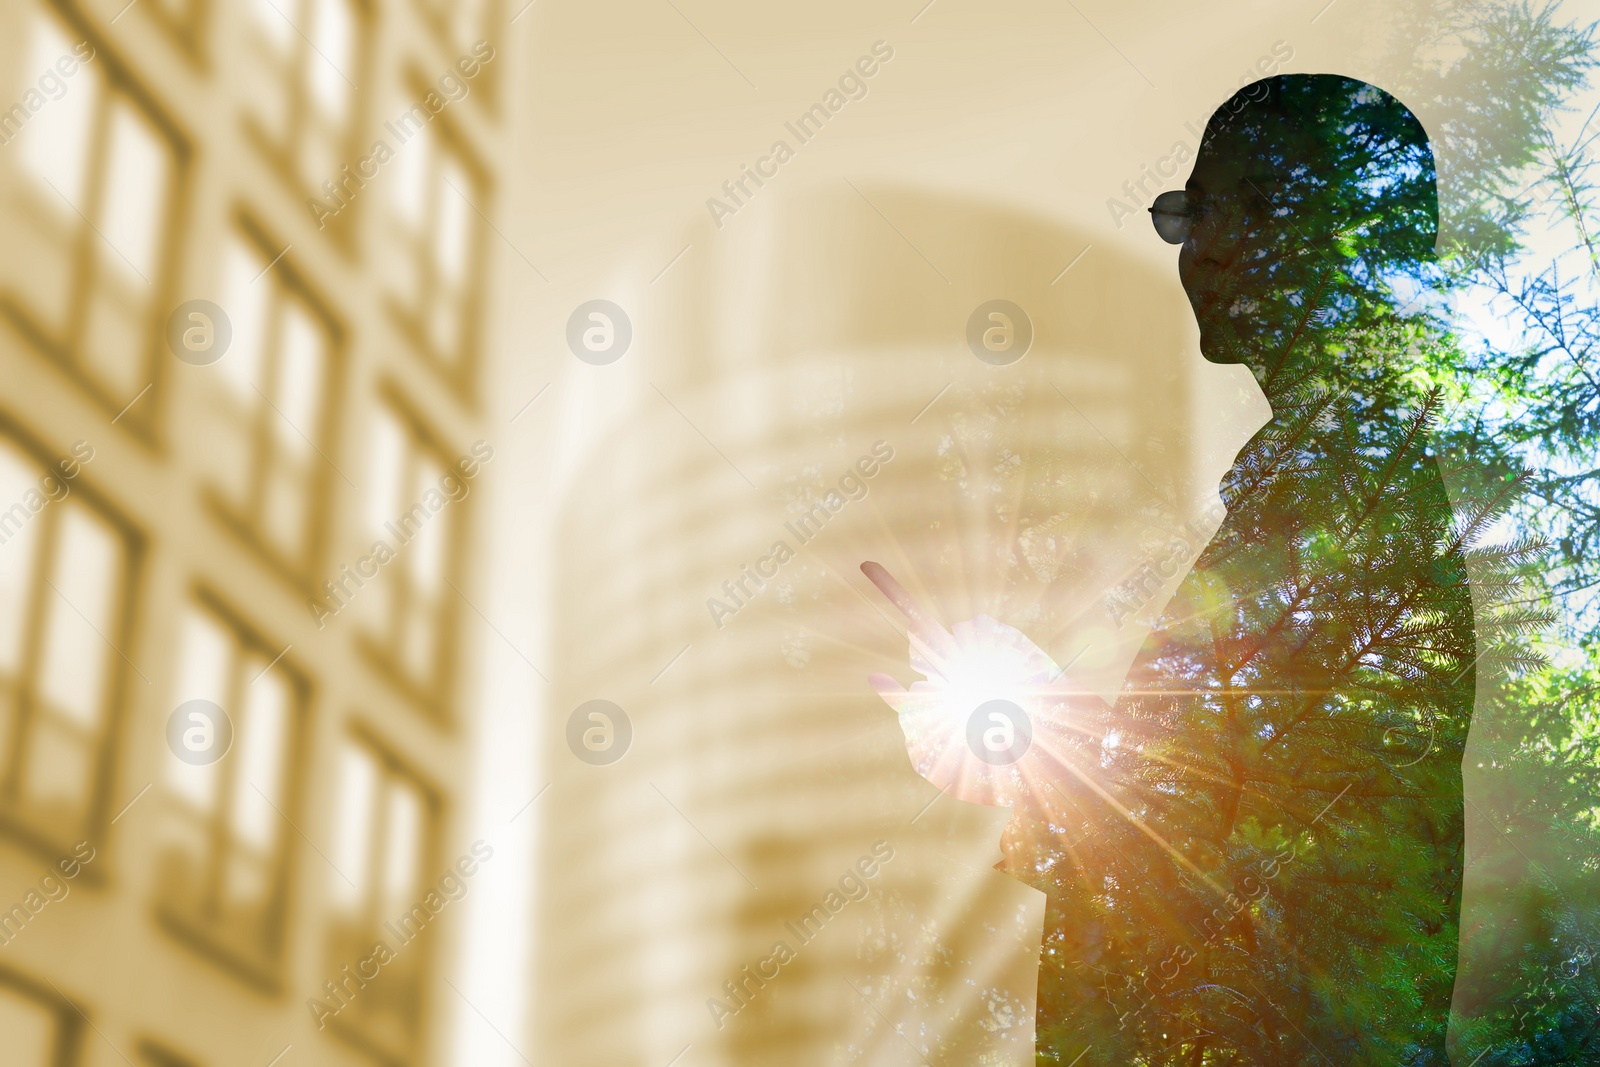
(265, 970)
(15, 821)
(282, 158)
(381, 650)
(289, 285)
(66, 352)
(434, 16)
(461, 372)
(392, 766)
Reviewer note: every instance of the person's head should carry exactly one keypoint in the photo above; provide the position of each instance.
(1310, 194)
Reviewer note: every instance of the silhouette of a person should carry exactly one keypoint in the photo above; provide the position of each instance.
(1255, 856)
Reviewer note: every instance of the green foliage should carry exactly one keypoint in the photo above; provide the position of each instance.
(1509, 64)
(1544, 398)
(1529, 993)
(1278, 877)
(1258, 857)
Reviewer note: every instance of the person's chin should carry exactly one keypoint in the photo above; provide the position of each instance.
(1217, 353)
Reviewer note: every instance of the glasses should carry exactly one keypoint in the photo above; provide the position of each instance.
(1173, 214)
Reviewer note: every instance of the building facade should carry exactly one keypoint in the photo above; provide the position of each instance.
(243, 346)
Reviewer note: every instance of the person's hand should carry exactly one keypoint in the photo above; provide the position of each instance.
(990, 706)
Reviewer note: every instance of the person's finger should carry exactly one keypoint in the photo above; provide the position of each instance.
(924, 624)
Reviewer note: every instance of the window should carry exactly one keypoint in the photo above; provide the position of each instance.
(223, 860)
(41, 1029)
(63, 591)
(414, 502)
(304, 55)
(95, 181)
(265, 427)
(433, 195)
(384, 821)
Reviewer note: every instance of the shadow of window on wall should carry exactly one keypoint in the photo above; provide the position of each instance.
(96, 176)
(223, 867)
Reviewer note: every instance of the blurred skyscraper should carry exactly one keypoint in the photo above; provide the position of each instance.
(809, 335)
